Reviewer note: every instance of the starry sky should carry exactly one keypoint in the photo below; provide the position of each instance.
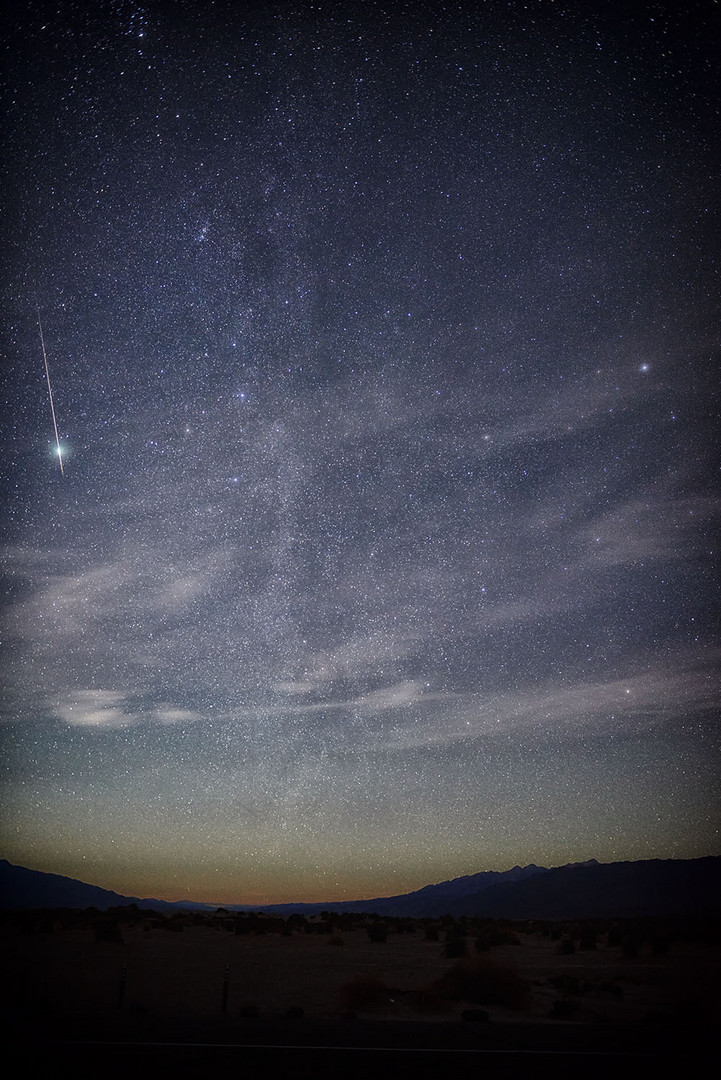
(383, 341)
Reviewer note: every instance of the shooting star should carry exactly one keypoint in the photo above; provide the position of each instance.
(50, 392)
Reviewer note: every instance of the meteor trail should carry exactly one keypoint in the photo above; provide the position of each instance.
(50, 392)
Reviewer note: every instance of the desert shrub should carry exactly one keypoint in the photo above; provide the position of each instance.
(428, 999)
(570, 985)
(630, 946)
(107, 930)
(483, 981)
(127, 913)
(693, 1011)
(378, 932)
(565, 947)
(615, 937)
(26, 921)
(588, 938)
(564, 1009)
(659, 945)
(365, 993)
(432, 933)
(336, 939)
(455, 932)
(475, 1016)
(455, 947)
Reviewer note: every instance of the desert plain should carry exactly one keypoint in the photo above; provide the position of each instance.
(133, 975)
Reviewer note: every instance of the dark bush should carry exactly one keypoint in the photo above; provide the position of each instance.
(128, 913)
(692, 1012)
(378, 932)
(455, 948)
(612, 988)
(475, 1016)
(588, 938)
(488, 937)
(564, 1009)
(107, 930)
(659, 945)
(365, 993)
(570, 985)
(483, 981)
(428, 1000)
(630, 947)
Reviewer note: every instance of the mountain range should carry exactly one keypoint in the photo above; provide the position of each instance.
(654, 887)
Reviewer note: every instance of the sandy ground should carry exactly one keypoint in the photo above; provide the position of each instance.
(161, 984)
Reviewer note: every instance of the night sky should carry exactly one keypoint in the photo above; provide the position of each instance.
(384, 349)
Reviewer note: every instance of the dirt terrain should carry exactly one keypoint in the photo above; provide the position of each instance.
(210, 982)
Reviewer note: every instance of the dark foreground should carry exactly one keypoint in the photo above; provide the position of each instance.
(371, 1048)
(148, 996)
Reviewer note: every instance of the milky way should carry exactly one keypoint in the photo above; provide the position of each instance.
(385, 354)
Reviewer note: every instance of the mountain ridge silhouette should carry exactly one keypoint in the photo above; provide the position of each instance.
(653, 887)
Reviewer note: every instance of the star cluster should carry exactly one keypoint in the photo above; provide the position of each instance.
(383, 342)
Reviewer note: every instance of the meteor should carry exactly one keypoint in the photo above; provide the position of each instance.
(50, 393)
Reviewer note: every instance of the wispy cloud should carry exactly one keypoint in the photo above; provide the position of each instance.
(92, 708)
(168, 714)
(633, 703)
(647, 529)
(395, 696)
(355, 658)
(399, 696)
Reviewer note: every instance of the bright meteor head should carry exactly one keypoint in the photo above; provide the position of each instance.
(57, 452)
(50, 395)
